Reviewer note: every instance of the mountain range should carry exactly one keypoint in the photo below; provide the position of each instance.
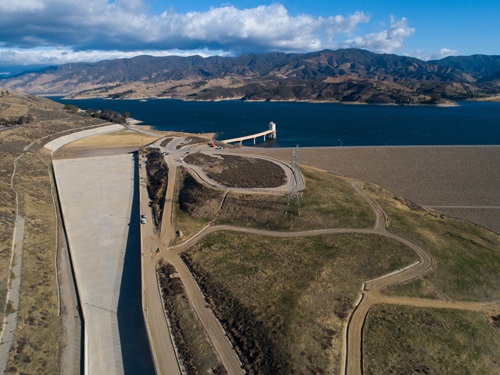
(346, 75)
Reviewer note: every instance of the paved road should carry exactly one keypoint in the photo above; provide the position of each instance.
(212, 326)
(175, 157)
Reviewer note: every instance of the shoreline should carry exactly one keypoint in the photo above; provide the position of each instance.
(365, 147)
(308, 101)
(257, 147)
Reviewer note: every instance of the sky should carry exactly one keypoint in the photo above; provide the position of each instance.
(40, 33)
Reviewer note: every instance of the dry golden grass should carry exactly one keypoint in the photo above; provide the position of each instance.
(182, 221)
(285, 300)
(329, 201)
(15, 105)
(7, 218)
(466, 257)
(35, 345)
(38, 327)
(408, 340)
(13, 110)
(124, 138)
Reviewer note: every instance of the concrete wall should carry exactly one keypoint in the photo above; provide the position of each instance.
(65, 139)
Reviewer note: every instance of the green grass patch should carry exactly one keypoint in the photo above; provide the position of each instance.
(9, 308)
(284, 301)
(466, 257)
(409, 340)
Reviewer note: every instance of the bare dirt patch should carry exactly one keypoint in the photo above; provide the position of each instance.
(120, 142)
(74, 153)
(239, 172)
(193, 140)
(165, 142)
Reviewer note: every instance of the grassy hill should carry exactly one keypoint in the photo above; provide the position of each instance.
(285, 301)
(25, 169)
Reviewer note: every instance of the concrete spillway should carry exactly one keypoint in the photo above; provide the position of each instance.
(100, 208)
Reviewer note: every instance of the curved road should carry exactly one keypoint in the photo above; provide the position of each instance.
(370, 293)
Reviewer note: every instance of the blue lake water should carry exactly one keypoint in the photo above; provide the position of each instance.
(322, 124)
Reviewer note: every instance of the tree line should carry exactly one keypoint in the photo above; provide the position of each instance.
(21, 120)
(106, 114)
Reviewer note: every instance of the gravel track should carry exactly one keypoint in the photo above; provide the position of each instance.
(370, 293)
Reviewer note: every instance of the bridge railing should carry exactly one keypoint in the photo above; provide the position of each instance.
(271, 132)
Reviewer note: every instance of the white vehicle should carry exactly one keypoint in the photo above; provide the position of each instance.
(143, 219)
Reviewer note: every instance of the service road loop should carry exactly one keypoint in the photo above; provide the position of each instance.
(371, 292)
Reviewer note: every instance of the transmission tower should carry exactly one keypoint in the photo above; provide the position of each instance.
(293, 201)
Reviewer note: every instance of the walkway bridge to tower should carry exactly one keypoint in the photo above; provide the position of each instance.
(271, 133)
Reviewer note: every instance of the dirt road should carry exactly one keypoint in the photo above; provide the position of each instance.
(162, 345)
(370, 293)
(212, 326)
(9, 324)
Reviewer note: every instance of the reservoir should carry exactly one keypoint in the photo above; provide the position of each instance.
(317, 124)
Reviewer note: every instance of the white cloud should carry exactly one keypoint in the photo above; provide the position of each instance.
(385, 41)
(57, 56)
(12, 6)
(261, 28)
(125, 24)
(72, 29)
(433, 55)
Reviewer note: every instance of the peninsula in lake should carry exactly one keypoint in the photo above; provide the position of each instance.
(345, 75)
